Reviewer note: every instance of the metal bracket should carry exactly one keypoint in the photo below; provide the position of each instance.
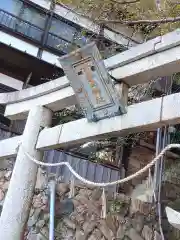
(92, 84)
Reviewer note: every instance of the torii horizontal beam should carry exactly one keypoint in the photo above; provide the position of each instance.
(140, 117)
(155, 58)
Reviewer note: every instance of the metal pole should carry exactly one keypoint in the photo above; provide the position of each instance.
(157, 165)
(52, 187)
(161, 168)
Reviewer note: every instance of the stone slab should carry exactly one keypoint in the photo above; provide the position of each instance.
(139, 117)
(8, 147)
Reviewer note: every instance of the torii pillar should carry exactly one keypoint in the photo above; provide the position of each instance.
(18, 199)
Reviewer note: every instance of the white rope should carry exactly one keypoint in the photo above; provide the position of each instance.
(149, 165)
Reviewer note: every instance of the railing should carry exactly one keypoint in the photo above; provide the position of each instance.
(20, 26)
(54, 41)
(32, 32)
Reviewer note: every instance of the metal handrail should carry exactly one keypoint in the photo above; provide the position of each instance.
(19, 21)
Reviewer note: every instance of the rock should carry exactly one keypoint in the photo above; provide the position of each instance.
(60, 227)
(133, 235)
(75, 202)
(93, 207)
(2, 174)
(92, 237)
(126, 238)
(37, 201)
(138, 223)
(32, 236)
(80, 197)
(41, 179)
(123, 198)
(96, 194)
(81, 209)
(96, 235)
(6, 185)
(40, 224)
(79, 219)
(44, 199)
(170, 191)
(64, 207)
(157, 236)
(85, 192)
(62, 188)
(2, 194)
(120, 232)
(108, 234)
(43, 235)
(80, 235)
(68, 234)
(46, 217)
(111, 223)
(88, 227)
(34, 215)
(140, 206)
(70, 224)
(103, 238)
(8, 175)
(93, 217)
(175, 234)
(2, 182)
(147, 233)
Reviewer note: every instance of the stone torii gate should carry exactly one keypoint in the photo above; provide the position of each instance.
(155, 58)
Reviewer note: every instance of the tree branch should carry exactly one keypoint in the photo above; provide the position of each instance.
(146, 21)
(125, 2)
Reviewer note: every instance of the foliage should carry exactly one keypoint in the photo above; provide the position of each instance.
(108, 10)
(111, 12)
(66, 115)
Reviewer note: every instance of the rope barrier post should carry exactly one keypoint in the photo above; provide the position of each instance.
(18, 200)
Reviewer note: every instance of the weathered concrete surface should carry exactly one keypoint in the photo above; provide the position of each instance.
(160, 64)
(9, 147)
(136, 66)
(133, 54)
(53, 136)
(18, 199)
(158, 44)
(169, 40)
(151, 47)
(11, 82)
(140, 117)
(34, 92)
(55, 101)
(170, 106)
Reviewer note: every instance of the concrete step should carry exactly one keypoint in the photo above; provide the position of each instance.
(142, 198)
(143, 192)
